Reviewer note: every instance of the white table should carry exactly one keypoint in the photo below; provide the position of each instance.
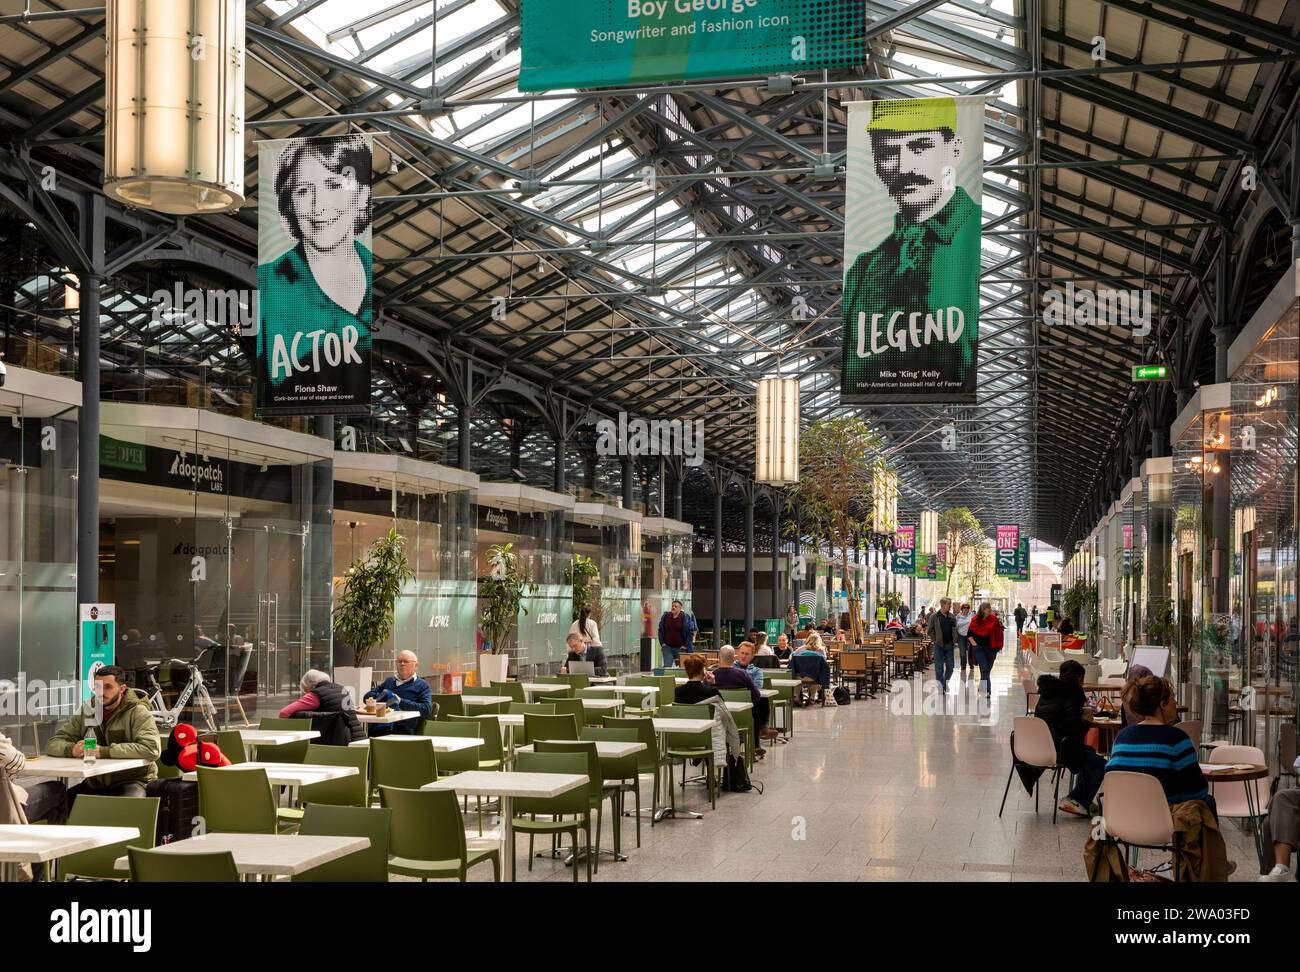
(603, 679)
(274, 737)
(739, 706)
(68, 768)
(641, 690)
(783, 682)
(441, 744)
(37, 843)
(468, 700)
(768, 693)
(507, 786)
(389, 717)
(604, 747)
(278, 855)
(602, 705)
(663, 727)
(291, 776)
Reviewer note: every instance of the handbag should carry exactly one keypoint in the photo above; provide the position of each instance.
(735, 777)
(841, 695)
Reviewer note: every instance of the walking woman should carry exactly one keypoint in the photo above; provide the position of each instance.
(986, 632)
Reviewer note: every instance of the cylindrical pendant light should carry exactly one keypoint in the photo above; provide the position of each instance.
(927, 537)
(776, 444)
(174, 109)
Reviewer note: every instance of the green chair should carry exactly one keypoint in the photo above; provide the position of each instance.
(647, 761)
(427, 835)
(560, 725)
(667, 689)
(515, 690)
(369, 865)
(686, 746)
(596, 789)
(620, 774)
(577, 682)
(167, 772)
(564, 692)
(231, 744)
(153, 865)
(104, 811)
(347, 791)
(646, 704)
(236, 801)
(462, 760)
(294, 752)
(744, 721)
(575, 802)
(471, 690)
(551, 680)
(597, 693)
(538, 708)
(492, 754)
(402, 763)
(782, 702)
(447, 705)
(484, 708)
(573, 707)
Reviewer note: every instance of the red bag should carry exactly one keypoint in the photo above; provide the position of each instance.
(995, 639)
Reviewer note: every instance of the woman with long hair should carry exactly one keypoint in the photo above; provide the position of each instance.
(986, 631)
(586, 629)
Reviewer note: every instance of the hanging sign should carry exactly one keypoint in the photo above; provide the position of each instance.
(1006, 553)
(904, 552)
(912, 250)
(614, 42)
(314, 276)
(98, 638)
(1022, 561)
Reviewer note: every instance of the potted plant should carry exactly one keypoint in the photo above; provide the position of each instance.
(503, 588)
(365, 608)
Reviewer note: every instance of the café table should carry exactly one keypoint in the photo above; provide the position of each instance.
(388, 718)
(74, 769)
(739, 706)
(607, 748)
(441, 744)
(252, 738)
(507, 786)
(663, 726)
(602, 679)
(1107, 726)
(1245, 774)
(291, 776)
(468, 700)
(266, 855)
(38, 843)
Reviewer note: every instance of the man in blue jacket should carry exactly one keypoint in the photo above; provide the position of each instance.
(676, 634)
(406, 691)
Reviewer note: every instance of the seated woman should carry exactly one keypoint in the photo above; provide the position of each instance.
(1284, 826)
(322, 696)
(1155, 746)
(697, 686)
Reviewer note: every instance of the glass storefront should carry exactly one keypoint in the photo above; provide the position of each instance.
(611, 537)
(1156, 594)
(432, 508)
(38, 550)
(666, 563)
(215, 545)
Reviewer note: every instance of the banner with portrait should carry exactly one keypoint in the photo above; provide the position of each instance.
(314, 276)
(910, 322)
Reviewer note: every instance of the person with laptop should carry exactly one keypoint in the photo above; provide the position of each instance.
(583, 654)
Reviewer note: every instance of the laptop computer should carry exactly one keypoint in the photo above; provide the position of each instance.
(582, 668)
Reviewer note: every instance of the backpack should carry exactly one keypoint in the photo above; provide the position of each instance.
(735, 778)
(841, 696)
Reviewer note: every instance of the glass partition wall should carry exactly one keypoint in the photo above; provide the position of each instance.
(1262, 635)
(1156, 590)
(216, 549)
(666, 564)
(38, 564)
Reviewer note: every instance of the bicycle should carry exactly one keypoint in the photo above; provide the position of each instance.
(167, 718)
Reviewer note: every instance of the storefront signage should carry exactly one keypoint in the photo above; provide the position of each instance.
(910, 323)
(498, 521)
(314, 276)
(121, 455)
(592, 45)
(153, 466)
(1006, 553)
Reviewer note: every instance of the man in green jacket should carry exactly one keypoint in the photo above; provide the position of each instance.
(124, 730)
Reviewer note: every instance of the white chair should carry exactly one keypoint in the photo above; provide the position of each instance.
(1230, 798)
(1033, 745)
(1112, 667)
(1135, 813)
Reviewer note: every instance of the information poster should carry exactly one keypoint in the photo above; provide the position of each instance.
(614, 42)
(912, 250)
(98, 638)
(314, 276)
(1007, 553)
(904, 553)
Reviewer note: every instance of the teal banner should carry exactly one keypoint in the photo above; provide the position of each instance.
(616, 42)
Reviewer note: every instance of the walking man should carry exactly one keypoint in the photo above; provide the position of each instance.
(943, 634)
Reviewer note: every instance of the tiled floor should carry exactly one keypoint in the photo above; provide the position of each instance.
(864, 794)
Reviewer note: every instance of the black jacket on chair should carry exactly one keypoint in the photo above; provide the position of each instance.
(1060, 705)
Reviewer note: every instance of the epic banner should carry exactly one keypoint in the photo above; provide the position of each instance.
(912, 250)
(905, 550)
(314, 276)
(1007, 553)
(612, 42)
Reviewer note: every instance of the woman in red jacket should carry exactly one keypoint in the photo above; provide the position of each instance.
(986, 631)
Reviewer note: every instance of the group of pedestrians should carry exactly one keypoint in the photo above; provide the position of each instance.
(976, 638)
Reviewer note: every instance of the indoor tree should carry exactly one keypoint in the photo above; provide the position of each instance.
(955, 524)
(364, 611)
(503, 588)
(838, 459)
(581, 573)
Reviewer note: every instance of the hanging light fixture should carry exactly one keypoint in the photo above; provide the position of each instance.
(634, 538)
(71, 291)
(175, 105)
(928, 535)
(776, 448)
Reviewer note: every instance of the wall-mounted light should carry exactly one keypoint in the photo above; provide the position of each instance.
(174, 105)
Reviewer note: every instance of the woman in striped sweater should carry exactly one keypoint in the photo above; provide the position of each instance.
(1152, 744)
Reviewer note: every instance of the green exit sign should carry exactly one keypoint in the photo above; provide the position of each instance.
(1150, 372)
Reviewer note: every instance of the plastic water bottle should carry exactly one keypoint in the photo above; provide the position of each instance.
(90, 749)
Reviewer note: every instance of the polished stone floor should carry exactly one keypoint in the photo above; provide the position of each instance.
(865, 794)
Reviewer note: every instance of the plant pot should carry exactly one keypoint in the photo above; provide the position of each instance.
(356, 680)
(492, 668)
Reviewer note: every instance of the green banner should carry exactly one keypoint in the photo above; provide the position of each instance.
(117, 454)
(1022, 561)
(617, 42)
(912, 250)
